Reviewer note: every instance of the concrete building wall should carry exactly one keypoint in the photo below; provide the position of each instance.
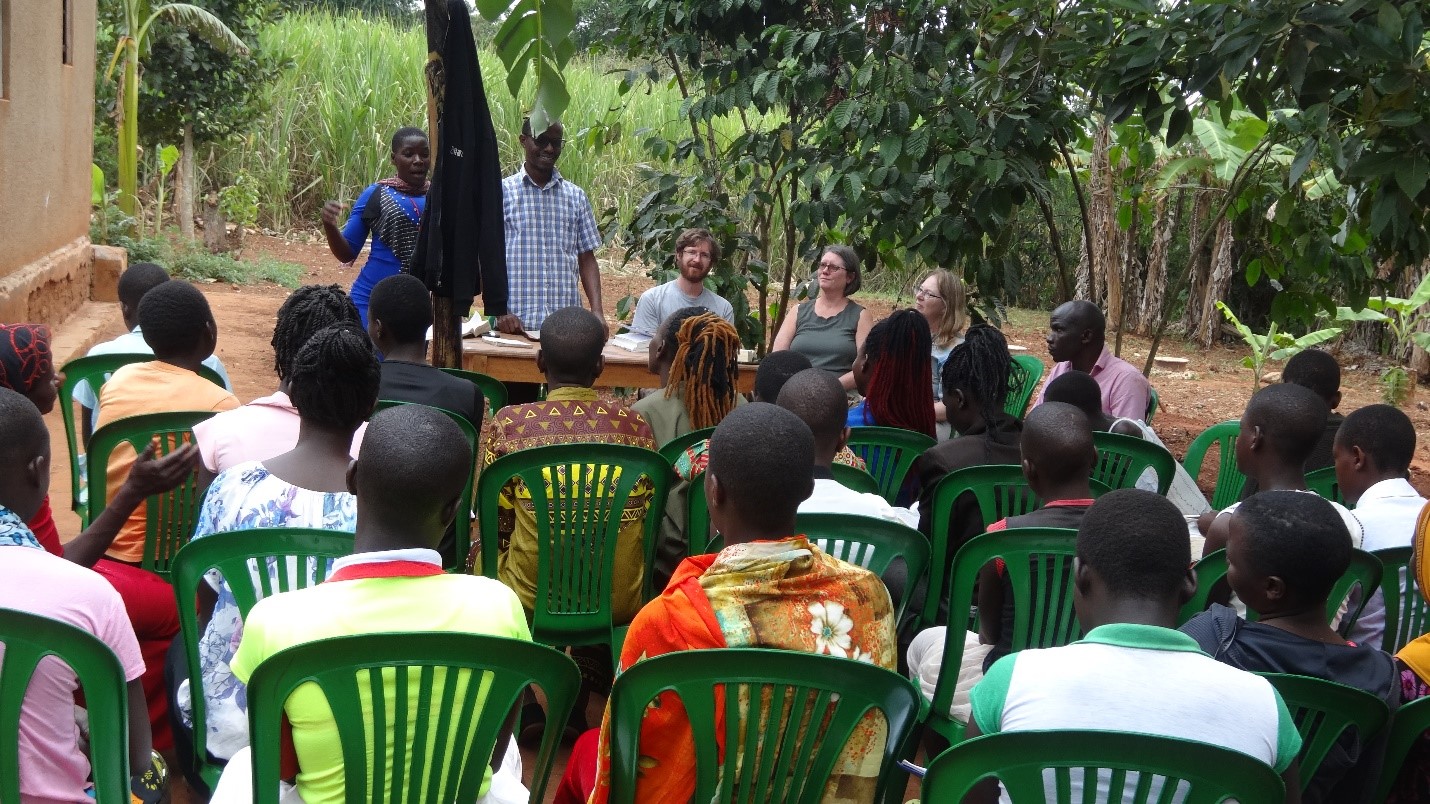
(46, 136)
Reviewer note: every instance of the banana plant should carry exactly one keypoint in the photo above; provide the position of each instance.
(1273, 344)
(1402, 318)
(133, 44)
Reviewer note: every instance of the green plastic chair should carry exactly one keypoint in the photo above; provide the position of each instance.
(94, 370)
(1001, 490)
(1411, 721)
(675, 447)
(1364, 571)
(852, 477)
(1039, 567)
(699, 532)
(1407, 615)
(1027, 370)
(779, 758)
(1022, 760)
(170, 517)
(1229, 479)
(1323, 482)
(1323, 711)
(462, 525)
(29, 638)
(888, 452)
(1121, 460)
(1210, 569)
(1153, 401)
(576, 562)
(432, 684)
(871, 543)
(493, 390)
(291, 558)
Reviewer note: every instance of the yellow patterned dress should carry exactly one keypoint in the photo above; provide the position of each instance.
(568, 416)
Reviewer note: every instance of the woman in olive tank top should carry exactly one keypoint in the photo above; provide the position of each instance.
(830, 328)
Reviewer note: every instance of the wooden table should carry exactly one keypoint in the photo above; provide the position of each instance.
(624, 368)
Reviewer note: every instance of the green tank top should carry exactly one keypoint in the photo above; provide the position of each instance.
(827, 342)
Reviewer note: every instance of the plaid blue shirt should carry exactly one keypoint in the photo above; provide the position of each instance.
(546, 228)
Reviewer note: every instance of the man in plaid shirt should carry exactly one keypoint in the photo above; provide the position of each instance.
(551, 237)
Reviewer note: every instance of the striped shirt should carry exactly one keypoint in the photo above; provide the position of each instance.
(546, 229)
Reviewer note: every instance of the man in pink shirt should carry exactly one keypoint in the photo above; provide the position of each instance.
(268, 426)
(1077, 334)
(53, 768)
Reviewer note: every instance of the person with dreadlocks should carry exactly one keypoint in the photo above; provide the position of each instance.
(976, 383)
(269, 425)
(390, 210)
(694, 353)
(891, 372)
(333, 381)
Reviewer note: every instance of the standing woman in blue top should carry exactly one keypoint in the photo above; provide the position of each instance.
(390, 210)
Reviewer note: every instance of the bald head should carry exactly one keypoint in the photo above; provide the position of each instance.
(1076, 333)
(817, 398)
(1057, 443)
(411, 473)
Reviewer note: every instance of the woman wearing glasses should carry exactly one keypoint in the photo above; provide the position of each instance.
(941, 299)
(830, 328)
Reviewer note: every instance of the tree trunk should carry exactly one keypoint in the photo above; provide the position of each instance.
(215, 226)
(1098, 257)
(1218, 279)
(1154, 290)
(184, 186)
(1197, 264)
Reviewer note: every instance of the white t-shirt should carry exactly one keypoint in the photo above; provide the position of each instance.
(1388, 511)
(659, 302)
(1136, 678)
(830, 497)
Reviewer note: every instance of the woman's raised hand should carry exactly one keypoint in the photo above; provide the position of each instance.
(332, 213)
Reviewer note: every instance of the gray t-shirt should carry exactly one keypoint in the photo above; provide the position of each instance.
(659, 302)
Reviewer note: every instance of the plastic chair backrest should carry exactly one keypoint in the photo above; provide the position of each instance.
(1139, 768)
(855, 479)
(170, 517)
(1407, 615)
(888, 452)
(871, 543)
(1363, 574)
(1153, 401)
(1323, 482)
(29, 638)
(449, 690)
(1229, 479)
(787, 756)
(1038, 563)
(577, 533)
(462, 525)
(1407, 728)
(1209, 569)
(675, 447)
(1323, 710)
(699, 533)
(1021, 393)
(1001, 491)
(493, 390)
(291, 558)
(1121, 460)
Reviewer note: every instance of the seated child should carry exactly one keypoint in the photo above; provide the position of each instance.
(1318, 371)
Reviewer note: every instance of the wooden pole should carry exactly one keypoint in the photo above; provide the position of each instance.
(446, 329)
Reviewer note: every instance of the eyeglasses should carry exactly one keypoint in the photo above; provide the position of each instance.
(920, 293)
(832, 267)
(695, 252)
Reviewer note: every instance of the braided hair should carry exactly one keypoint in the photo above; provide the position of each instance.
(307, 310)
(705, 366)
(981, 368)
(335, 378)
(897, 354)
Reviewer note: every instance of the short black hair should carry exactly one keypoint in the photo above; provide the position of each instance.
(305, 311)
(1384, 433)
(571, 341)
(138, 279)
(1297, 537)
(763, 456)
(25, 435)
(1137, 542)
(403, 133)
(403, 305)
(335, 378)
(1314, 369)
(775, 370)
(818, 399)
(414, 458)
(1076, 388)
(1291, 417)
(173, 316)
(1057, 437)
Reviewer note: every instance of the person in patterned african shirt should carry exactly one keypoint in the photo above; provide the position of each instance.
(570, 357)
